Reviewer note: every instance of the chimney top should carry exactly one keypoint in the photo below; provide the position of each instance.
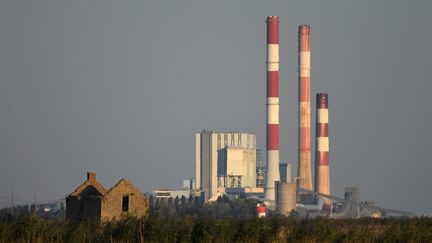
(91, 176)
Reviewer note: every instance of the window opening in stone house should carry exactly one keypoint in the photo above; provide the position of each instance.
(125, 204)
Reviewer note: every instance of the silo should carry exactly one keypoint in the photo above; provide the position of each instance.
(286, 195)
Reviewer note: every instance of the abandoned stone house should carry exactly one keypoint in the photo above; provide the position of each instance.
(92, 201)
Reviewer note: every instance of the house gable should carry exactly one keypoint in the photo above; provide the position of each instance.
(124, 192)
(85, 201)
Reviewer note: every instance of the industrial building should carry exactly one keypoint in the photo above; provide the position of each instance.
(189, 184)
(224, 160)
(168, 193)
(188, 190)
(261, 170)
(285, 170)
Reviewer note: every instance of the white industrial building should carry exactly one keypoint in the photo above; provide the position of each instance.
(189, 184)
(168, 193)
(225, 160)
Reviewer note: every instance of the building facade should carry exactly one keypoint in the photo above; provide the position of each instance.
(189, 184)
(92, 201)
(261, 170)
(224, 160)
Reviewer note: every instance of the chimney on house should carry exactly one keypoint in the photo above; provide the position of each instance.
(91, 176)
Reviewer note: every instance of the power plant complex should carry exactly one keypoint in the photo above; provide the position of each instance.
(226, 163)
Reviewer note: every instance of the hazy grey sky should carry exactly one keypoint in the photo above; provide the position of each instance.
(120, 87)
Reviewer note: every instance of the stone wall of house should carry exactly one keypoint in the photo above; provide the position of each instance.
(83, 208)
(73, 209)
(85, 205)
(112, 202)
(91, 208)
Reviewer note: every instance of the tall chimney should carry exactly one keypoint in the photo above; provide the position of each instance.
(304, 168)
(91, 176)
(272, 107)
(322, 172)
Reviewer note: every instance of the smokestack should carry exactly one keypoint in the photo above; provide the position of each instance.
(322, 172)
(91, 176)
(304, 168)
(272, 107)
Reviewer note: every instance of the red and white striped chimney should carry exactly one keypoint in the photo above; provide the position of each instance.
(304, 168)
(322, 172)
(272, 106)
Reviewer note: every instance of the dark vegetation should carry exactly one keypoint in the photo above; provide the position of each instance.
(222, 221)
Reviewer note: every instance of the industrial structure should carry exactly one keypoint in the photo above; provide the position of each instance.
(272, 108)
(304, 108)
(322, 171)
(284, 193)
(225, 162)
(189, 184)
(261, 170)
(285, 171)
(165, 193)
(286, 197)
(229, 164)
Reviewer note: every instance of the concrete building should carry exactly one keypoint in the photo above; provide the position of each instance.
(92, 201)
(224, 160)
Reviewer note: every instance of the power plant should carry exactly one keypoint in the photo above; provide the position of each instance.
(219, 160)
(286, 194)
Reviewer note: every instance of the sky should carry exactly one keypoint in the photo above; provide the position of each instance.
(121, 87)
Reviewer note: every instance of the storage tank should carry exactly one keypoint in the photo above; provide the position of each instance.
(286, 197)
